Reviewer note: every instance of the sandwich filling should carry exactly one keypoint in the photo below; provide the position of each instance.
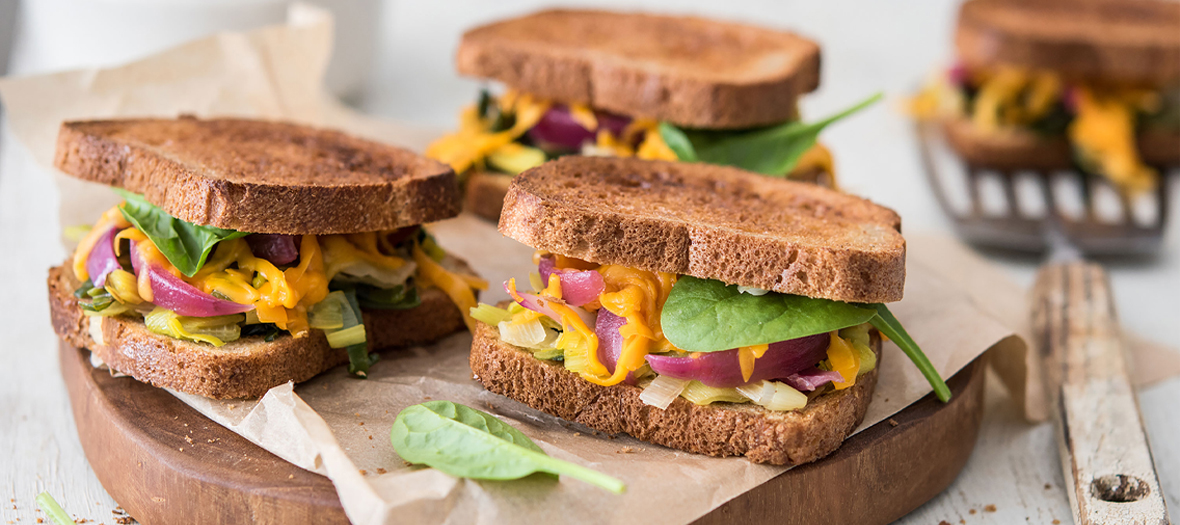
(682, 336)
(211, 285)
(1101, 123)
(517, 131)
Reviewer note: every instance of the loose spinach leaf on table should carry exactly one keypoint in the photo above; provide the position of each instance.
(771, 150)
(706, 315)
(468, 443)
(186, 245)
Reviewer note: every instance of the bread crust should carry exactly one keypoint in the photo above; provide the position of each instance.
(721, 429)
(1017, 149)
(689, 71)
(485, 194)
(1125, 42)
(261, 176)
(245, 368)
(712, 222)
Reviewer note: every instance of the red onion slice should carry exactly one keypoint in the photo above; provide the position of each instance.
(102, 260)
(610, 341)
(812, 379)
(722, 369)
(578, 287)
(558, 129)
(170, 292)
(278, 249)
(540, 304)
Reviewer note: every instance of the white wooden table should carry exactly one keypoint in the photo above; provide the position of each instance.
(1013, 477)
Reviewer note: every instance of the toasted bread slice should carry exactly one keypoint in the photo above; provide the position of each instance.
(261, 177)
(689, 71)
(1126, 42)
(711, 222)
(720, 429)
(1022, 149)
(485, 194)
(245, 368)
(486, 191)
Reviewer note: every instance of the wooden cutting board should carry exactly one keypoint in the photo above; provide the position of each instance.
(166, 463)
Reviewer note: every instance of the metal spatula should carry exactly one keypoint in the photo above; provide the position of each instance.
(1105, 455)
(1013, 215)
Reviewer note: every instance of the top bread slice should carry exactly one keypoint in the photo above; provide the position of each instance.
(689, 71)
(1124, 42)
(261, 176)
(712, 222)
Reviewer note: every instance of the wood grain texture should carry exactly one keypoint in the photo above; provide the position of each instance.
(135, 437)
(162, 460)
(1109, 474)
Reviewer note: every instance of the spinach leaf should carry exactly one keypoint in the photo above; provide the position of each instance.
(186, 245)
(887, 324)
(705, 315)
(771, 150)
(359, 358)
(678, 142)
(401, 297)
(468, 443)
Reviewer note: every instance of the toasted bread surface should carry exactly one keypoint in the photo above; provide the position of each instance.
(720, 429)
(245, 368)
(1022, 149)
(485, 194)
(261, 176)
(1134, 42)
(711, 222)
(689, 71)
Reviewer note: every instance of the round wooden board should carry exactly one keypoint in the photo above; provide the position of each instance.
(165, 463)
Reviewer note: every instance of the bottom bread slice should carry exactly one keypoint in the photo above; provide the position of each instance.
(1024, 149)
(244, 368)
(720, 429)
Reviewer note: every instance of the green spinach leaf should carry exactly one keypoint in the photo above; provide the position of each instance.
(887, 324)
(678, 142)
(186, 245)
(706, 315)
(771, 150)
(468, 443)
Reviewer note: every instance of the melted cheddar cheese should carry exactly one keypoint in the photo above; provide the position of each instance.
(475, 141)
(279, 296)
(1101, 129)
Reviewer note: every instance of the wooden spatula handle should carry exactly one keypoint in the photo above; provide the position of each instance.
(1104, 450)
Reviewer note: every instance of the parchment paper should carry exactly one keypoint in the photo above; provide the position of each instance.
(956, 307)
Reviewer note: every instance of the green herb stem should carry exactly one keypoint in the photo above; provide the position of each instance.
(892, 328)
(565, 468)
(51, 508)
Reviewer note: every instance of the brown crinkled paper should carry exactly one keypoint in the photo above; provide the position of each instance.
(956, 307)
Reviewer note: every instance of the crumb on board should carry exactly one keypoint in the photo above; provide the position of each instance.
(190, 439)
(407, 463)
(944, 522)
(625, 450)
(42, 520)
(989, 508)
(381, 471)
(290, 476)
(231, 407)
(1048, 486)
(364, 472)
(357, 414)
(893, 422)
(426, 398)
(1056, 521)
(972, 511)
(125, 520)
(362, 423)
(576, 434)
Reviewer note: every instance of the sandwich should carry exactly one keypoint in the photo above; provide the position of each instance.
(699, 307)
(634, 85)
(1055, 84)
(246, 254)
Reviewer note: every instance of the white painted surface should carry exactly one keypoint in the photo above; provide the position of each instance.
(868, 46)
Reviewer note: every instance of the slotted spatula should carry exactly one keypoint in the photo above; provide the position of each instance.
(1015, 214)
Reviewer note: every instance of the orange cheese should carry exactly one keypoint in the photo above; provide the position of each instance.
(470, 146)
(1104, 132)
(746, 357)
(844, 359)
(637, 296)
(456, 287)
